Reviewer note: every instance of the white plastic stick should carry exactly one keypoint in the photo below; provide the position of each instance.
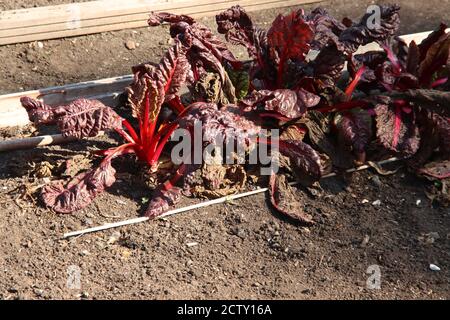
(202, 204)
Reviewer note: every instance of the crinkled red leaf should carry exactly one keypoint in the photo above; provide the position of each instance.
(355, 130)
(397, 130)
(156, 19)
(290, 37)
(289, 103)
(80, 118)
(187, 29)
(226, 123)
(238, 29)
(162, 200)
(307, 164)
(436, 58)
(363, 33)
(158, 83)
(80, 191)
(326, 28)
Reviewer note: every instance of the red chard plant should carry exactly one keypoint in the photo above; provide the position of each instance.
(392, 101)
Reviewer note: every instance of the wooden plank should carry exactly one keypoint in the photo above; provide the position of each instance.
(100, 16)
(105, 90)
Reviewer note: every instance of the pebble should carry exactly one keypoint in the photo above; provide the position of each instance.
(85, 253)
(192, 244)
(364, 201)
(434, 267)
(376, 203)
(131, 45)
(40, 45)
(114, 237)
(418, 202)
(39, 292)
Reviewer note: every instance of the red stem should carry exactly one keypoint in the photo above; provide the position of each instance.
(179, 174)
(397, 125)
(176, 104)
(354, 83)
(161, 144)
(131, 130)
(124, 135)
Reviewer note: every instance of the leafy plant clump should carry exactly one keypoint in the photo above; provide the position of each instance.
(394, 101)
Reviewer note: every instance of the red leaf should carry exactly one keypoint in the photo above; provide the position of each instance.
(436, 57)
(81, 118)
(283, 199)
(80, 191)
(307, 164)
(289, 103)
(355, 130)
(290, 37)
(397, 131)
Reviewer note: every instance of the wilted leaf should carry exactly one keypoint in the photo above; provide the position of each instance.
(437, 169)
(436, 57)
(219, 180)
(162, 200)
(80, 191)
(283, 199)
(319, 134)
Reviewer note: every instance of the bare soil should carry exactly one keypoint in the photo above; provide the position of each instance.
(243, 250)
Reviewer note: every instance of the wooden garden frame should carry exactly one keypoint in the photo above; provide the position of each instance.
(76, 19)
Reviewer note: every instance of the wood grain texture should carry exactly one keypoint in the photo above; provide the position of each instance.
(70, 20)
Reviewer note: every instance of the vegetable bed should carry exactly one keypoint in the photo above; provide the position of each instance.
(324, 205)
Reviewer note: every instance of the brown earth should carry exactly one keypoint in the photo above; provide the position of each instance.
(243, 249)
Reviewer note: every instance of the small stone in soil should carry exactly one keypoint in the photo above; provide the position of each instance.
(131, 45)
(376, 203)
(192, 244)
(434, 267)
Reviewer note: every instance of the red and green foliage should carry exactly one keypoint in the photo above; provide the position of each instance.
(391, 101)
